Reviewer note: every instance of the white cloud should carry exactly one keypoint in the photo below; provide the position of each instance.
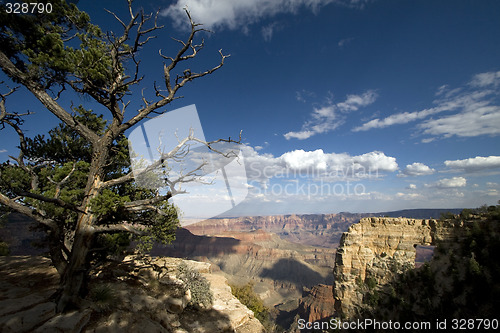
(475, 111)
(329, 117)
(344, 41)
(304, 95)
(268, 31)
(482, 121)
(491, 184)
(3, 150)
(412, 187)
(450, 183)
(486, 79)
(409, 196)
(417, 169)
(376, 160)
(396, 119)
(301, 160)
(315, 164)
(239, 14)
(475, 164)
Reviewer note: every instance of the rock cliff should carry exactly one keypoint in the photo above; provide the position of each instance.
(317, 303)
(374, 250)
(123, 298)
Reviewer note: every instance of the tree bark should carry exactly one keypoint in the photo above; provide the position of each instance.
(73, 281)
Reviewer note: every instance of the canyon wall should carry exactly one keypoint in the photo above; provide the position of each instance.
(279, 269)
(322, 230)
(374, 250)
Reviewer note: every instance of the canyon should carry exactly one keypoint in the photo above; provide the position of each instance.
(290, 259)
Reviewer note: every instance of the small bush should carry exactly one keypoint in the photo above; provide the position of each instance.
(197, 284)
(103, 296)
(247, 297)
(370, 282)
(4, 249)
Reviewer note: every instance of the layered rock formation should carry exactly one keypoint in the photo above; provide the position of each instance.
(279, 269)
(374, 250)
(322, 230)
(317, 303)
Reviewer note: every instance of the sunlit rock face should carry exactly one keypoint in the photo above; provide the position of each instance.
(378, 248)
(317, 304)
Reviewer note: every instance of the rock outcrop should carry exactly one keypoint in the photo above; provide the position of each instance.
(127, 300)
(279, 269)
(374, 250)
(317, 303)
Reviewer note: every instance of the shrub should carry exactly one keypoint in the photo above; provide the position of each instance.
(197, 284)
(247, 297)
(103, 296)
(4, 249)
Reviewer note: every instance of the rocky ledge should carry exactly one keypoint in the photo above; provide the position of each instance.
(132, 296)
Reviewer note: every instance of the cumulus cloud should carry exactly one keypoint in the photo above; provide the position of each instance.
(412, 187)
(328, 118)
(449, 183)
(416, 169)
(474, 164)
(300, 159)
(232, 14)
(318, 160)
(315, 164)
(476, 112)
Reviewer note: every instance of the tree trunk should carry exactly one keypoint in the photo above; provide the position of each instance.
(56, 245)
(74, 279)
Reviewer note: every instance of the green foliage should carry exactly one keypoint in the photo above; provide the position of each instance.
(108, 206)
(247, 297)
(68, 155)
(103, 296)
(447, 215)
(51, 47)
(370, 282)
(461, 281)
(4, 249)
(197, 284)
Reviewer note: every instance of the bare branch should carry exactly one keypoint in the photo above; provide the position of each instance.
(116, 17)
(4, 200)
(56, 201)
(173, 87)
(62, 182)
(36, 89)
(151, 201)
(135, 229)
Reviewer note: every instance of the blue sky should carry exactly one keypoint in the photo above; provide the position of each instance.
(358, 106)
